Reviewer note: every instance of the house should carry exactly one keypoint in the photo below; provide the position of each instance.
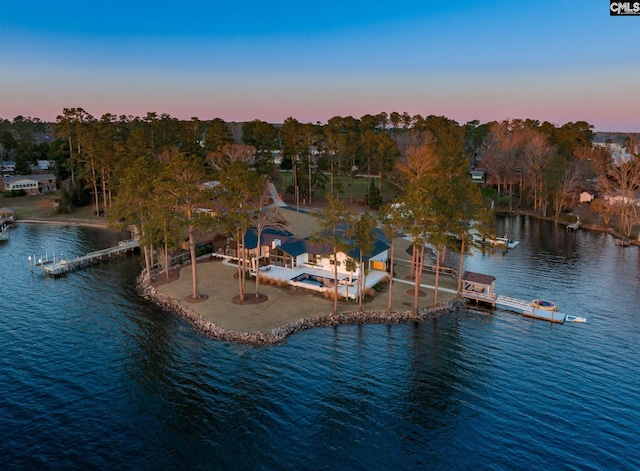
(7, 167)
(622, 199)
(43, 165)
(31, 184)
(586, 197)
(308, 264)
(477, 174)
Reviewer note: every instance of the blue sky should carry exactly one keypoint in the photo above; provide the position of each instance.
(550, 60)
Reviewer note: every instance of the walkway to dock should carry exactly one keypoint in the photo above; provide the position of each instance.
(520, 306)
(526, 309)
(55, 267)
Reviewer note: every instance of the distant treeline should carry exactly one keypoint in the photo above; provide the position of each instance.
(532, 164)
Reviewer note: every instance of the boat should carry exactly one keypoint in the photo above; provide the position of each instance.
(623, 242)
(503, 242)
(574, 319)
(544, 305)
(495, 241)
(4, 230)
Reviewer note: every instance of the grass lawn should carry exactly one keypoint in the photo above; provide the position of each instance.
(350, 190)
(41, 207)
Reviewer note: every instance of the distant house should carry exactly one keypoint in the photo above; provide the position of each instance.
(31, 184)
(477, 174)
(586, 197)
(8, 167)
(618, 152)
(43, 165)
(620, 199)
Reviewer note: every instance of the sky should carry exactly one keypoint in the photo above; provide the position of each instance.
(558, 61)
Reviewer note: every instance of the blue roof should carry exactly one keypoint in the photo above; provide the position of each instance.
(378, 247)
(268, 235)
(295, 246)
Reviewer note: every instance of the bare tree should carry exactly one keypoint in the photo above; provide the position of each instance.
(565, 195)
(621, 186)
(265, 216)
(538, 155)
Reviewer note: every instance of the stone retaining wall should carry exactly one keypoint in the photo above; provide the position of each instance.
(279, 334)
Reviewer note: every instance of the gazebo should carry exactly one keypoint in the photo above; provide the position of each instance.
(8, 214)
(479, 287)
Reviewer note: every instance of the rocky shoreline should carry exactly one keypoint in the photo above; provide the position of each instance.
(279, 334)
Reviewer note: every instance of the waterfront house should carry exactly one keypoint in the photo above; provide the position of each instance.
(31, 184)
(305, 263)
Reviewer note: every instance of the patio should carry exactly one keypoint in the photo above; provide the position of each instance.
(323, 279)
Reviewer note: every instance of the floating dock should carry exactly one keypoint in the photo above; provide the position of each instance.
(575, 226)
(57, 266)
(481, 289)
(526, 309)
(4, 229)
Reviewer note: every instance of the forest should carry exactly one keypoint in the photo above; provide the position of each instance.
(526, 164)
(174, 179)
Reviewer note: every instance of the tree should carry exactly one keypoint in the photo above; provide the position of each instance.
(264, 216)
(416, 201)
(393, 219)
(218, 135)
(334, 220)
(538, 155)
(238, 189)
(364, 238)
(264, 137)
(374, 199)
(566, 192)
(182, 180)
(621, 186)
(228, 153)
(134, 204)
(416, 160)
(70, 126)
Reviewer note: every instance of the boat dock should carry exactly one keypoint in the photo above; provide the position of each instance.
(575, 226)
(481, 289)
(4, 229)
(526, 309)
(56, 266)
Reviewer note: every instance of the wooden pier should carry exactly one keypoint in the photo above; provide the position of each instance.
(480, 288)
(56, 266)
(575, 226)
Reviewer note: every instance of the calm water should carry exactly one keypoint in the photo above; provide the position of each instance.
(92, 377)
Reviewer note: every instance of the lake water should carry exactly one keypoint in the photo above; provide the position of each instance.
(93, 377)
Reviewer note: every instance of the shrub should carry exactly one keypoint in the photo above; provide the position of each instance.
(378, 287)
(14, 193)
(63, 208)
(203, 250)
